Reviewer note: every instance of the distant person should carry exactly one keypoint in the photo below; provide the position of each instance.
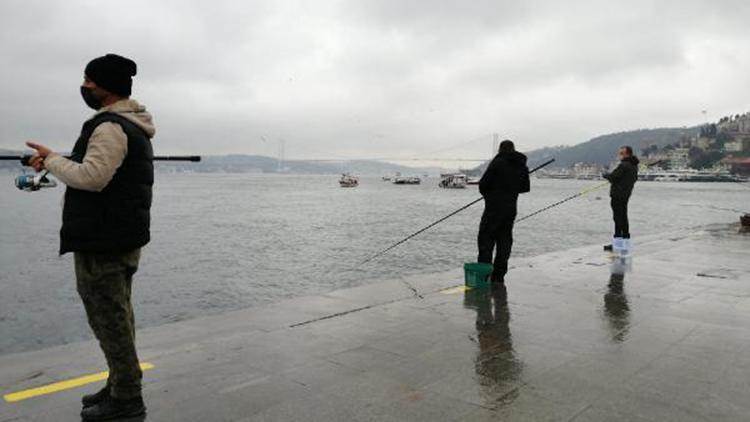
(505, 178)
(105, 222)
(622, 180)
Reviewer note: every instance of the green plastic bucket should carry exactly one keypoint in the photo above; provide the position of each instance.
(477, 274)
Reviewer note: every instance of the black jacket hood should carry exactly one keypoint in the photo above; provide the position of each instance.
(505, 177)
(632, 160)
(514, 156)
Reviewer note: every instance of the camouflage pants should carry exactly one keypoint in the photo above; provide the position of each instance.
(104, 284)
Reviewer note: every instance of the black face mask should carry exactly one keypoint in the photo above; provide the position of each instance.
(90, 99)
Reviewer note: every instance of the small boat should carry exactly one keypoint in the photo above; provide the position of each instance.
(348, 181)
(389, 178)
(406, 180)
(453, 181)
(667, 177)
(472, 180)
(555, 174)
(690, 175)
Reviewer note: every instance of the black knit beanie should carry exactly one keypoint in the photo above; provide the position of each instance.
(113, 73)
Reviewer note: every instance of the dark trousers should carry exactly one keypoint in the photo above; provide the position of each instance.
(620, 215)
(104, 284)
(496, 232)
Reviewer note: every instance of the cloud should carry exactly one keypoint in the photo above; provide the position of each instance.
(377, 78)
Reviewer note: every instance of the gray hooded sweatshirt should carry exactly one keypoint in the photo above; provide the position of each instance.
(106, 150)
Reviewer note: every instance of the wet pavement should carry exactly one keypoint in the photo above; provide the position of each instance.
(575, 336)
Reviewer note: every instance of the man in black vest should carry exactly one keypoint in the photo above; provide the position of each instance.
(106, 219)
(505, 178)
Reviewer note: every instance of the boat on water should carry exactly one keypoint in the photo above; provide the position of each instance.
(555, 174)
(588, 176)
(453, 181)
(665, 178)
(690, 175)
(348, 181)
(472, 180)
(406, 180)
(389, 178)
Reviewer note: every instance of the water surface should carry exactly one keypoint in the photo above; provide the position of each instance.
(223, 242)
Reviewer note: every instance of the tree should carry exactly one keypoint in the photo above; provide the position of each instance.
(649, 150)
(703, 159)
(722, 138)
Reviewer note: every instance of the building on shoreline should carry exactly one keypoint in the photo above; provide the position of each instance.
(739, 124)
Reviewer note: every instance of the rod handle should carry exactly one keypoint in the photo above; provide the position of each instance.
(193, 158)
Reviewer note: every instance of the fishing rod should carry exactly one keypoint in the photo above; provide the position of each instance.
(581, 193)
(35, 182)
(24, 159)
(386, 250)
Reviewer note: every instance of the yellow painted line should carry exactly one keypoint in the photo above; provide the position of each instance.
(454, 290)
(63, 385)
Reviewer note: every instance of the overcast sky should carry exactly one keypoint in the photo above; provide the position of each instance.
(377, 78)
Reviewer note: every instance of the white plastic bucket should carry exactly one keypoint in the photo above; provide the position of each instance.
(617, 245)
(624, 247)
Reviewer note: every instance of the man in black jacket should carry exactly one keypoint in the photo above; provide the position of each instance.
(622, 180)
(505, 178)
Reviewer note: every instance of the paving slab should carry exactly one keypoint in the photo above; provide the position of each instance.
(576, 335)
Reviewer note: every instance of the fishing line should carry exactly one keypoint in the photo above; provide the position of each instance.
(562, 201)
(581, 193)
(386, 250)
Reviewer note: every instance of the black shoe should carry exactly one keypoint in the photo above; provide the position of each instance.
(92, 399)
(497, 279)
(608, 248)
(111, 408)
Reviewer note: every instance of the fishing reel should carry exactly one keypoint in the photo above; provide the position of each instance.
(34, 182)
